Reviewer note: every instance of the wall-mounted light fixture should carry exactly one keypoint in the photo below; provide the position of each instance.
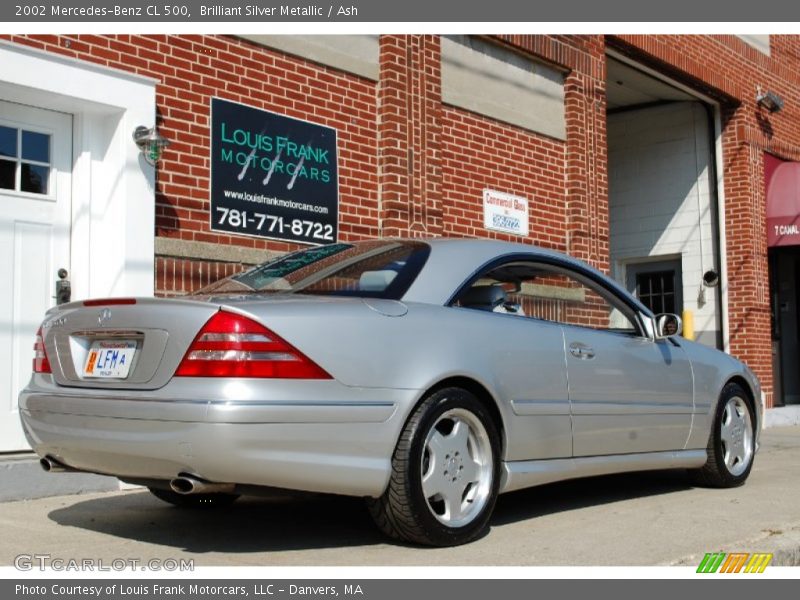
(150, 143)
(711, 278)
(769, 100)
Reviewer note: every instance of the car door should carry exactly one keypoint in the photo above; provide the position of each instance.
(628, 393)
(524, 358)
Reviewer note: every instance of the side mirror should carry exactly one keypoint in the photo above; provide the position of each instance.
(668, 325)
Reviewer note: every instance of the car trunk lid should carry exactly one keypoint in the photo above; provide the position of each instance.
(148, 335)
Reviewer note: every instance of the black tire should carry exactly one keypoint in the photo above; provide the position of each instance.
(433, 441)
(214, 500)
(717, 472)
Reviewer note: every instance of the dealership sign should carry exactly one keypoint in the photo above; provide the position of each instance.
(272, 176)
(504, 212)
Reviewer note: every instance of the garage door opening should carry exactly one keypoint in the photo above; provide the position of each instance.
(662, 197)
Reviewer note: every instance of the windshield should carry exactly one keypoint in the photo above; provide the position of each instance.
(374, 269)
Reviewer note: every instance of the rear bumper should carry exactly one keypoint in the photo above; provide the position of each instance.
(314, 436)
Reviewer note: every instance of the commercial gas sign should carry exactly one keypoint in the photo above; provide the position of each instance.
(504, 212)
(272, 176)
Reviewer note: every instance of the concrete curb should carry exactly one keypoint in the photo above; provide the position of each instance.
(783, 416)
(21, 478)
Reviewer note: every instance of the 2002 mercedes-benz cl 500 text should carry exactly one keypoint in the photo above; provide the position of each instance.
(426, 376)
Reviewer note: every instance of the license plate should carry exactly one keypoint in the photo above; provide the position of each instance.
(109, 359)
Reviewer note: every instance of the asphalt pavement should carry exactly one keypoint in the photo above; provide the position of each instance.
(652, 518)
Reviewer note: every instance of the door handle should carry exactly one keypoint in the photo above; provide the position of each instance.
(581, 351)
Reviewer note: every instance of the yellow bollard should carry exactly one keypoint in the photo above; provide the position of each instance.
(688, 324)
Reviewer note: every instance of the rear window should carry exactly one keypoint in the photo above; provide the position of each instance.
(374, 269)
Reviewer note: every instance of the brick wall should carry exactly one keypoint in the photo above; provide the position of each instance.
(479, 153)
(410, 131)
(585, 164)
(410, 165)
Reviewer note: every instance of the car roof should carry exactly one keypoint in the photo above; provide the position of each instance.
(455, 260)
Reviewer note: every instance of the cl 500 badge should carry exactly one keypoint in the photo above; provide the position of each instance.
(54, 323)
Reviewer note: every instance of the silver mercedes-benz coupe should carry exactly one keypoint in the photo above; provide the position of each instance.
(427, 376)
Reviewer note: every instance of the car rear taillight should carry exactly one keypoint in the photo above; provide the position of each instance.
(109, 301)
(41, 364)
(231, 345)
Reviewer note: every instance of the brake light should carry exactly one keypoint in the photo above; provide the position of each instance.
(41, 364)
(109, 301)
(230, 345)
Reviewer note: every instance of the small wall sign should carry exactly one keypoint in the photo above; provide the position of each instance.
(505, 212)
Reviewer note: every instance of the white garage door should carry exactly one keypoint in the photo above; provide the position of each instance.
(662, 204)
(35, 169)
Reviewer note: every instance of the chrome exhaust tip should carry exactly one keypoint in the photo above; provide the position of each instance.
(51, 465)
(186, 484)
(182, 485)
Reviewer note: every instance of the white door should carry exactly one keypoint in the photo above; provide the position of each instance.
(35, 218)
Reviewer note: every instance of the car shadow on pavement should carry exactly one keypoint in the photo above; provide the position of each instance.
(252, 524)
(586, 492)
(255, 524)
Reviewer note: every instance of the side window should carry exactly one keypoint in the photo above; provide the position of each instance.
(549, 293)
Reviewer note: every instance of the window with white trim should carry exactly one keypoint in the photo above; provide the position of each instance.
(24, 160)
